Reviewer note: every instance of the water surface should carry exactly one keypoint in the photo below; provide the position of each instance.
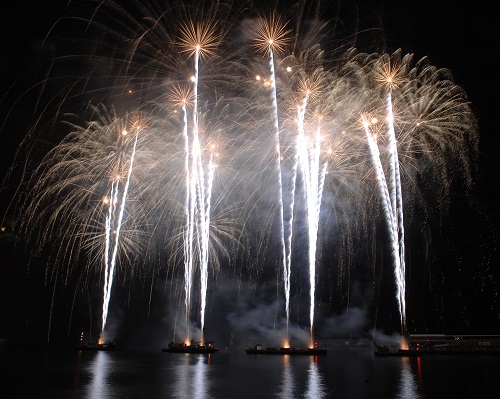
(342, 373)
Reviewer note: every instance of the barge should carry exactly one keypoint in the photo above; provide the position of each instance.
(257, 349)
(193, 347)
(431, 344)
(95, 346)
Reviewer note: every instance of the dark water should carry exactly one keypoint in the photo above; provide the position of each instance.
(342, 373)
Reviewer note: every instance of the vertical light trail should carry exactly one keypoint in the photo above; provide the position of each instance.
(110, 223)
(286, 265)
(188, 234)
(303, 161)
(205, 235)
(397, 207)
(198, 176)
(313, 180)
(200, 199)
(108, 229)
(315, 193)
(386, 202)
(109, 281)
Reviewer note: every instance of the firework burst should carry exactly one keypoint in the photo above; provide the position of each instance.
(199, 39)
(271, 35)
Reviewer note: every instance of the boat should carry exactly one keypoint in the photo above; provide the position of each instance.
(95, 346)
(436, 344)
(193, 347)
(257, 349)
(385, 351)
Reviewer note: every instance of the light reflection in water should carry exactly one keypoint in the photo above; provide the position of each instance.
(315, 387)
(77, 368)
(408, 389)
(99, 370)
(192, 378)
(286, 379)
(200, 385)
(419, 372)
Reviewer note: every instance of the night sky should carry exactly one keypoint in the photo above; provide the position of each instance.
(463, 39)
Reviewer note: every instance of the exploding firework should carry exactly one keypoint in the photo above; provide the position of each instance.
(252, 151)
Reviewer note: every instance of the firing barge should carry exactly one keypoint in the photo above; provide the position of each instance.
(257, 349)
(193, 347)
(94, 346)
(430, 344)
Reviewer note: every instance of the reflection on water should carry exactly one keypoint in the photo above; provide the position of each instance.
(77, 368)
(315, 387)
(99, 370)
(344, 373)
(200, 385)
(192, 378)
(286, 391)
(408, 388)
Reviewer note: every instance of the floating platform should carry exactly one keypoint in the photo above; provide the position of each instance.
(193, 347)
(94, 346)
(257, 349)
(436, 344)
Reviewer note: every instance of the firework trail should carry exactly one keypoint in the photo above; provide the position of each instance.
(387, 205)
(110, 263)
(285, 250)
(199, 186)
(272, 35)
(198, 180)
(397, 208)
(313, 177)
(108, 231)
(205, 237)
(189, 231)
(316, 181)
(390, 74)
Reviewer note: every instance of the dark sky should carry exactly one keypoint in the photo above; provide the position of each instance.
(462, 38)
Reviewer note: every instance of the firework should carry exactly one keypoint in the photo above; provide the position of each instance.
(252, 165)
